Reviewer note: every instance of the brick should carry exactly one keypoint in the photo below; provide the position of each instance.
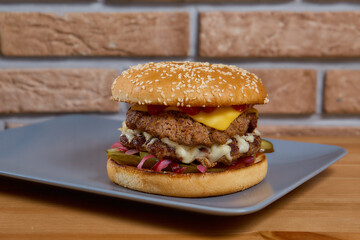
(305, 130)
(279, 34)
(291, 91)
(342, 88)
(95, 34)
(56, 90)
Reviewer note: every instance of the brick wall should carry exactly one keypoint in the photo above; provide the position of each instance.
(60, 57)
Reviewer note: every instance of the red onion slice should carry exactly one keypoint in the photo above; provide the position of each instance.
(141, 163)
(201, 168)
(242, 162)
(248, 160)
(160, 165)
(175, 167)
(131, 151)
(119, 146)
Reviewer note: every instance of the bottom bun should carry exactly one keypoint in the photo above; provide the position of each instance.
(188, 184)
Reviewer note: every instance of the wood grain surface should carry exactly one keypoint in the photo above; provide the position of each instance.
(325, 207)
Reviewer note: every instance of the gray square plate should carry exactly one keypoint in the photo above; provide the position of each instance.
(70, 152)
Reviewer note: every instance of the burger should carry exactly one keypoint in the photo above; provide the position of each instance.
(190, 130)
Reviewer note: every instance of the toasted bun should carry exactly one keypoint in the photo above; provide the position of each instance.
(188, 184)
(188, 84)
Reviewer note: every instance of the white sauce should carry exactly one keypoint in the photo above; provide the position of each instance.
(185, 153)
(189, 154)
(147, 136)
(152, 141)
(243, 145)
(217, 151)
(248, 138)
(129, 133)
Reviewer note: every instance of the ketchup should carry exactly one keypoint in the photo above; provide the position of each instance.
(156, 109)
(240, 107)
(208, 109)
(191, 110)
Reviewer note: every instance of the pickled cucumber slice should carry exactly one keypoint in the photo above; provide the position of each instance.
(149, 163)
(131, 160)
(118, 156)
(266, 146)
(134, 160)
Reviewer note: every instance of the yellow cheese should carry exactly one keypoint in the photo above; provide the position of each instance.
(220, 118)
(144, 108)
(137, 107)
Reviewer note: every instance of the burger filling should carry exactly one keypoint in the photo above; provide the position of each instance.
(209, 156)
(199, 139)
(176, 135)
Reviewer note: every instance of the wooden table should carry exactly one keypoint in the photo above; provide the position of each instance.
(326, 207)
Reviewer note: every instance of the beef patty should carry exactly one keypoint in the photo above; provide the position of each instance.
(180, 128)
(162, 150)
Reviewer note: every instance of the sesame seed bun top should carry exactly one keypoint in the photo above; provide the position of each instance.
(188, 84)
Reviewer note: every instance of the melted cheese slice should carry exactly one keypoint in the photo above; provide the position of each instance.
(220, 118)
